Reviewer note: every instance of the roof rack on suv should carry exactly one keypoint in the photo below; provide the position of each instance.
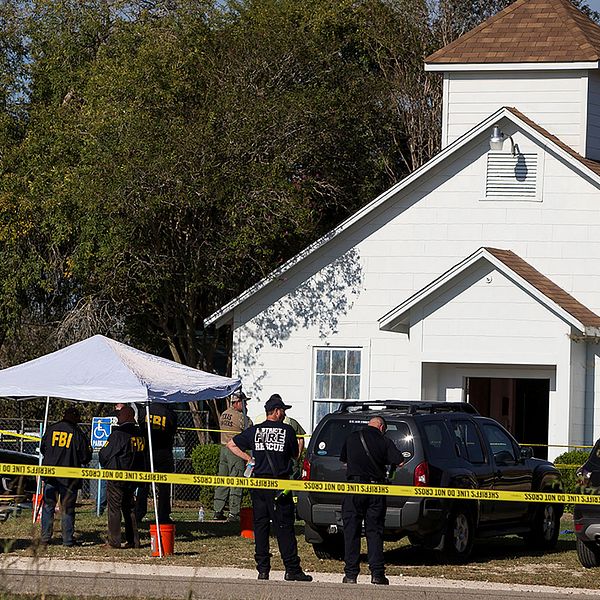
(410, 406)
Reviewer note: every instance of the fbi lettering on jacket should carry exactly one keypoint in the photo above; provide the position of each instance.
(61, 439)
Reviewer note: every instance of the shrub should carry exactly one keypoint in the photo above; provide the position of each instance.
(205, 461)
(575, 458)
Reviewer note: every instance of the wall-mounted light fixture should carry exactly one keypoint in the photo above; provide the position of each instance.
(497, 140)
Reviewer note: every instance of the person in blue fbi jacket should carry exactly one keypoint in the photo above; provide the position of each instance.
(274, 446)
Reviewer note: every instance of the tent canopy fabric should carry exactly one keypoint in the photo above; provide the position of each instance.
(99, 369)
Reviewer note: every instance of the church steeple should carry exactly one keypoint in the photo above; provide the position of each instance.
(541, 56)
(527, 31)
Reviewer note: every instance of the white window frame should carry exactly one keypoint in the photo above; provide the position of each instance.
(346, 374)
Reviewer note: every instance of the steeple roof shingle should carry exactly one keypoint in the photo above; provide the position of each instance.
(527, 31)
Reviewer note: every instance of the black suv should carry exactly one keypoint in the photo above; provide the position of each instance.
(586, 517)
(445, 444)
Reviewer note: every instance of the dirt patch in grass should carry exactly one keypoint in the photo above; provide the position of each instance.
(206, 544)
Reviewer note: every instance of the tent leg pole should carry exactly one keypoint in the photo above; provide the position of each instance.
(158, 533)
(38, 483)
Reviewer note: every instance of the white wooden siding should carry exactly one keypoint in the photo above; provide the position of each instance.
(553, 99)
(402, 247)
(486, 318)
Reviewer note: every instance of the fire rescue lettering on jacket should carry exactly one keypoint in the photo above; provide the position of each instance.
(138, 444)
(62, 439)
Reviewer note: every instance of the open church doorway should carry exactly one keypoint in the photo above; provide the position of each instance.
(520, 405)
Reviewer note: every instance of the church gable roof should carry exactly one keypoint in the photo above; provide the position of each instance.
(547, 287)
(592, 165)
(585, 166)
(527, 31)
(544, 289)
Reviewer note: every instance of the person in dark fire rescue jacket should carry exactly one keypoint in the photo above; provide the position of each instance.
(125, 450)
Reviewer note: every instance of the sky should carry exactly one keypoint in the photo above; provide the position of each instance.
(594, 5)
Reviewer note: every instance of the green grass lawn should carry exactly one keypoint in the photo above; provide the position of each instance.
(220, 544)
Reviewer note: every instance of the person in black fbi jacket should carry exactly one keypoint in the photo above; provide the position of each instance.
(63, 445)
(274, 445)
(366, 452)
(124, 450)
(163, 427)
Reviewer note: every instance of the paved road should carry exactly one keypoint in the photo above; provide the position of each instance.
(85, 578)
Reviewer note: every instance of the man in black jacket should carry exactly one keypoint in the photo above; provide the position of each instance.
(163, 427)
(274, 445)
(63, 445)
(125, 451)
(367, 452)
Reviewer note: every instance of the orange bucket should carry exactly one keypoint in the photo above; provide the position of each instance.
(167, 537)
(247, 523)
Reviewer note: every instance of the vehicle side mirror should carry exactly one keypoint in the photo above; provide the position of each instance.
(526, 452)
(504, 458)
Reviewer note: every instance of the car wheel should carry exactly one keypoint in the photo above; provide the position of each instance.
(588, 554)
(331, 549)
(544, 528)
(459, 538)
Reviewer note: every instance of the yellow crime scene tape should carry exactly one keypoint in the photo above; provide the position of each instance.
(298, 485)
(33, 438)
(227, 431)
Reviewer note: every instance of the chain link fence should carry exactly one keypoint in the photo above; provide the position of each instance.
(22, 435)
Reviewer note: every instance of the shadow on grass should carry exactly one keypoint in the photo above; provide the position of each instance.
(194, 531)
(13, 544)
(484, 551)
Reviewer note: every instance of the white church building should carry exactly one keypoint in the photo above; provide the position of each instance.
(477, 277)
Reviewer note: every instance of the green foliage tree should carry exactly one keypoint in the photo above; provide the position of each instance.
(158, 157)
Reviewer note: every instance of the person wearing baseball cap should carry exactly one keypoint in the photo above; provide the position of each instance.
(275, 401)
(274, 445)
(231, 421)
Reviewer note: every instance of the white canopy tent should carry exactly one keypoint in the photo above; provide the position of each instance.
(99, 369)
(102, 370)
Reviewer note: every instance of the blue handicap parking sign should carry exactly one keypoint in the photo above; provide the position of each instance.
(101, 427)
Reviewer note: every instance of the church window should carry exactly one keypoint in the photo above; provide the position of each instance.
(337, 379)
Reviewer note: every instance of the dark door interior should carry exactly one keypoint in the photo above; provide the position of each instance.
(520, 405)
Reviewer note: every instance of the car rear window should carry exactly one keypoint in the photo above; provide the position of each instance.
(331, 438)
(400, 433)
(437, 441)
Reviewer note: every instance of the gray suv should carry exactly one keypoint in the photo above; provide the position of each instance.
(444, 444)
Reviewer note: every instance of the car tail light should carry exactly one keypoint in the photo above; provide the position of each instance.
(421, 477)
(305, 470)
(578, 526)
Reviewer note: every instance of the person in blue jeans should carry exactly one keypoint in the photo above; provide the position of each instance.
(63, 445)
